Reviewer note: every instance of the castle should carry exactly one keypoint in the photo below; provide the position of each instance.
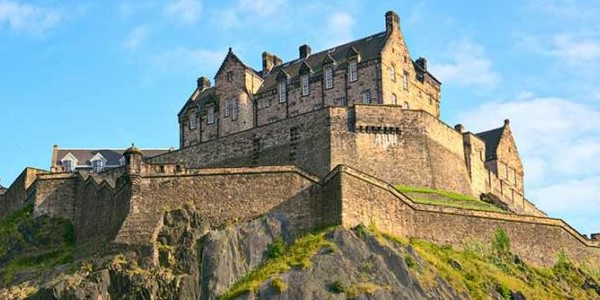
(322, 138)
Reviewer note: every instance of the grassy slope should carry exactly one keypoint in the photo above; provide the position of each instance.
(446, 198)
(29, 246)
(477, 270)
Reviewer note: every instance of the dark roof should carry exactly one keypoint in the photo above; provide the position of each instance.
(491, 139)
(202, 97)
(112, 156)
(368, 48)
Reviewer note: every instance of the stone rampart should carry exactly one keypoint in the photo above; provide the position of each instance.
(17, 195)
(537, 240)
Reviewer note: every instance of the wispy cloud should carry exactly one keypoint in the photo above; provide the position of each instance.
(249, 11)
(191, 61)
(136, 37)
(558, 140)
(186, 11)
(339, 29)
(28, 18)
(467, 65)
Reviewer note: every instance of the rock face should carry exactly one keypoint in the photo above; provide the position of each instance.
(261, 259)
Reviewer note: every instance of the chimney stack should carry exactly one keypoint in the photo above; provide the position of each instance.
(304, 51)
(459, 128)
(506, 122)
(422, 62)
(267, 62)
(392, 22)
(203, 83)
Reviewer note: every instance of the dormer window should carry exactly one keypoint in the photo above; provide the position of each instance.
(68, 165)
(328, 77)
(305, 83)
(393, 72)
(122, 161)
(210, 114)
(352, 70)
(282, 88)
(98, 165)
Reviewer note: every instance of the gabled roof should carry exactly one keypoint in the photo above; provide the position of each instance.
(234, 57)
(112, 156)
(492, 140)
(200, 99)
(368, 48)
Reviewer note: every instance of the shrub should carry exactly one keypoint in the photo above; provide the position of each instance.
(337, 287)
(361, 230)
(410, 261)
(503, 291)
(276, 249)
(279, 285)
(501, 243)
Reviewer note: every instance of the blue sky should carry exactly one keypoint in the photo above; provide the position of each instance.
(86, 74)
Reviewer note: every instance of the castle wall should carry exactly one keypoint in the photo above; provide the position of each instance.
(224, 196)
(535, 239)
(54, 195)
(400, 146)
(302, 140)
(16, 195)
(475, 155)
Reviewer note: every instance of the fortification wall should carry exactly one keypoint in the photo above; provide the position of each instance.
(302, 140)
(54, 195)
(399, 146)
(16, 196)
(537, 240)
(223, 196)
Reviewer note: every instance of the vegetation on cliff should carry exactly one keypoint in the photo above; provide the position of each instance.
(265, 259)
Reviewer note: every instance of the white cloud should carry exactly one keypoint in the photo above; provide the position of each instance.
(186, 11)
(467, 65)
(559, 143)
(249, 11)
(575, 50)
(136, 37)
(261, 8)
(27, 18)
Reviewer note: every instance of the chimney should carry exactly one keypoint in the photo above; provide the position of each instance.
(203, 83)
(392, 22)
(422, 62)
(595, 237)
(267, 62)
(304, 51)
(506, 122)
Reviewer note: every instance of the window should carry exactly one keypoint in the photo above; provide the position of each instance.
(210, 114)
(328, 78)
(282, 92)
(393, 73)
(406, 105)
(405, 81)
(230, 76)
(227, 108)
(394, 99)
(97, 165)
(353, 71)
(68, 165)
(305, 85)
(193, 122)
(366, 96)
(235, 109)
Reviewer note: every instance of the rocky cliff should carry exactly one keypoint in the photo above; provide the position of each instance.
(266, 259)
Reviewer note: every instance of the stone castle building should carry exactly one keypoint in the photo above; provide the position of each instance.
(322, 139)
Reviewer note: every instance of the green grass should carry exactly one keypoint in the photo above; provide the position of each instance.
(428, 196)
(33, 245)
(297, 255)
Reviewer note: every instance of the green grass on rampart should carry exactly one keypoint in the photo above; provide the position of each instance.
(423, 195)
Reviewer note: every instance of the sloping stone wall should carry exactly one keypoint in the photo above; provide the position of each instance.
(16, 196)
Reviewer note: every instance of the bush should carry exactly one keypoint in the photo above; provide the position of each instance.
(337, 287)
(361, 230)
(279, 285)
(503, 291)
(276, 249)
(501, 243)
(410, 261)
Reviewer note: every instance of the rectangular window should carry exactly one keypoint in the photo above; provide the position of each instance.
(235, 109)
(366, 96)
(393, 73)
(210, 114)
(230, 76)
(406, 105)
(394, 99)
(193, 122)
(68, 165)
(98, 165)
(328, 78)
(353, 71)
(227, 108)
(405, 81)
(305, 85)
(282, 92)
